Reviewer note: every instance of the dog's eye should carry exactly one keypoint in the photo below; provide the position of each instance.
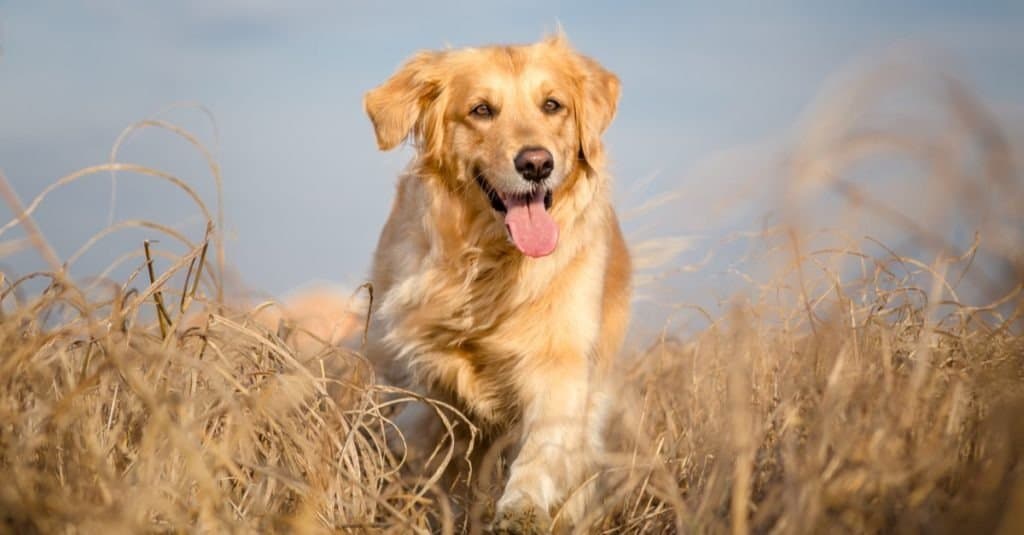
(481, 110)
(551, 105)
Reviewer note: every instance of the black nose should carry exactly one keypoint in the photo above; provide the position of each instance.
(534, 163)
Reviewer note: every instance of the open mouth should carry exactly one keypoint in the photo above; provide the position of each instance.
(496, 200)
(532, 229)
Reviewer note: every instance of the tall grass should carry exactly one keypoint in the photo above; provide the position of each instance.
(852, 386)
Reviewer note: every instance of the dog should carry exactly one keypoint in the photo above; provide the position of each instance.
(501, 276)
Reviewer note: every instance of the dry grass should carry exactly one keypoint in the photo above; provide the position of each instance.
(854, 389)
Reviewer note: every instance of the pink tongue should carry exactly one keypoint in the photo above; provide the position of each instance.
(532, 229)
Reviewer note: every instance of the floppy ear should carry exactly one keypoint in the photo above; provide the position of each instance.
(396, 106)
(595, 108)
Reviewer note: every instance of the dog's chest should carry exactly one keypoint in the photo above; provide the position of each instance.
(474, 325)
(447, 305)
(495, 307)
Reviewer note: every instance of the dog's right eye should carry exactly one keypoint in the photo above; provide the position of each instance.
(481, 110)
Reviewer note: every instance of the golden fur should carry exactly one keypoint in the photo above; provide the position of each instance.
(518, 343)
(312, 318)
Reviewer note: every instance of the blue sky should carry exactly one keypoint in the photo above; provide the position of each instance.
(708, 89)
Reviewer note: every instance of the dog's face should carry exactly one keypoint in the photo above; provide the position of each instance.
(517, 125)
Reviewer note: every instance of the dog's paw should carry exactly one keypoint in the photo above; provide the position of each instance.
(524, 520)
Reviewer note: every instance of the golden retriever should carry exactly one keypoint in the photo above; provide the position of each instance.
(501, 275)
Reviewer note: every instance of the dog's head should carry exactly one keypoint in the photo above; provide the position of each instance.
(522, 123)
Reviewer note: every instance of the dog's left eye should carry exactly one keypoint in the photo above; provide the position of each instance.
(551, 105)
(482, 110)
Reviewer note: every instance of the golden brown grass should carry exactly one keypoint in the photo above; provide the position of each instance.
(849, 388)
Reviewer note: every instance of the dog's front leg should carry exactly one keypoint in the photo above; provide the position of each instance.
(561, 424)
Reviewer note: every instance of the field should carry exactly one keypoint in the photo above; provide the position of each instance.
(857, 383)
